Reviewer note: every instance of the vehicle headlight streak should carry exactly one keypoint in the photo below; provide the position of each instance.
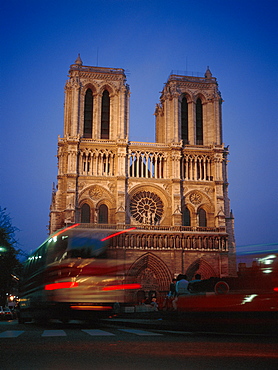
(249, 298)
(268, 260)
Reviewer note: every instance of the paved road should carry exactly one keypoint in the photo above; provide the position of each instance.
(103, 346)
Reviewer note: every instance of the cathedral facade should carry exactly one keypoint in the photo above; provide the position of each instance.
(174, 192)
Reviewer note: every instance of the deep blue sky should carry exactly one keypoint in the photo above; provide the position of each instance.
(237, 39)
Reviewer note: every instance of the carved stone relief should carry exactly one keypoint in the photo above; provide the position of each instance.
(195, 198)
(95, 192)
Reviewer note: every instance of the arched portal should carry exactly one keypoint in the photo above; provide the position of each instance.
(151, 272)
(202, 267)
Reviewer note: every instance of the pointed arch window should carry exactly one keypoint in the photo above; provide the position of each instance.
(184, 121)
(88, 114)
(85, 213)
(186, 217)
(105, 115)
(199, 122)
(202, 217)
(103, 214)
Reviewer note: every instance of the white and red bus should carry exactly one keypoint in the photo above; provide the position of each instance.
(72, 276)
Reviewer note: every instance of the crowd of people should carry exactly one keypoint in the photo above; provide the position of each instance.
(179, 287)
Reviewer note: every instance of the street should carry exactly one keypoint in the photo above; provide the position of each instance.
(106, 345)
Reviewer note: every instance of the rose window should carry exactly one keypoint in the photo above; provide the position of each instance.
(146, 208)
(195, 198)
(95, 192)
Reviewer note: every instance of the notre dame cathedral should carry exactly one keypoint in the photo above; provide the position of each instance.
(173, 191)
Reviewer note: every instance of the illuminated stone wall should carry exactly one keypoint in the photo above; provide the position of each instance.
(174, 191)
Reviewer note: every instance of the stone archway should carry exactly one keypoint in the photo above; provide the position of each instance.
(202, 267)
(151, 272)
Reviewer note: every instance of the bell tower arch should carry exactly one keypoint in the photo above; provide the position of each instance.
(97, 97)
(193, 104)
(93, 147)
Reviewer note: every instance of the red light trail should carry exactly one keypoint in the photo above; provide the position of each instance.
(118, 233)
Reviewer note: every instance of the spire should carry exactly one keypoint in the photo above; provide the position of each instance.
(208, 73)
(78, 60)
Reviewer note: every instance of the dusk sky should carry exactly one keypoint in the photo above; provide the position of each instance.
(237, 39)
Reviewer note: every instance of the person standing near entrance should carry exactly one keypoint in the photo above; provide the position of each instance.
(182, 285)
(191, 287)
(181, 288)
(172, 289)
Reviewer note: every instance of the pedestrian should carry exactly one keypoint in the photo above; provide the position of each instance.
(181, 289)
(197, 278)
(167, 304)
(191, 284)
(172, 289)
(154, 304)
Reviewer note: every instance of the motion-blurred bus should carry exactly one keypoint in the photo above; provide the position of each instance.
(257, 272)
(248, 300)
(258, 268)
(71, 276)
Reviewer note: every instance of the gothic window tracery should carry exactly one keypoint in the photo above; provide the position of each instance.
(85, 213)
(186, 217)
(105, 115)
(184, 121)
(88, 114)
(199, 122)
(103, 214)
(146, 208)
(196, 167)
(146, 164)
(97, 163)
(202, 216)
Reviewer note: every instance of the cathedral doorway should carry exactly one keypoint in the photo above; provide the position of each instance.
(153, 275)
(202, 267)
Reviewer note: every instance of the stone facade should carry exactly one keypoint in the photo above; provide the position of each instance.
(174, 191)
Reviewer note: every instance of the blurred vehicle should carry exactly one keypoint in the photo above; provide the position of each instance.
(251, 298)
(5, 313)
(72, 276)
(257, 273)
(2, 314)
(8, 313)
